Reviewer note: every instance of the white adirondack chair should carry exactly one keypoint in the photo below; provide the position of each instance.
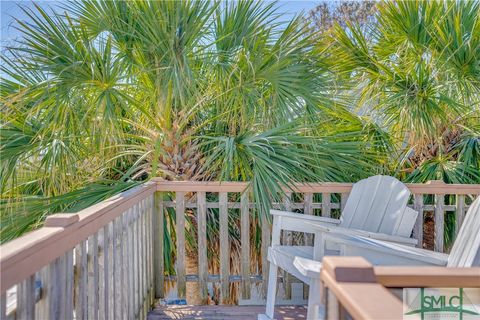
(376, 208)
(465, 251)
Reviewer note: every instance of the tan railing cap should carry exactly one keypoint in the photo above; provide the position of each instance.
(61, 219)
(349, 269)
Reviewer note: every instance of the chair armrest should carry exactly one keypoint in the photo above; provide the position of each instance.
(402, 254)
(308, 267)
(304, 217)
(368, 234)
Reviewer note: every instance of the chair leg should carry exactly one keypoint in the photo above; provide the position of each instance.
(315, 309)
(272, 290)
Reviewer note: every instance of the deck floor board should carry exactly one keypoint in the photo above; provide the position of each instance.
(224, 312)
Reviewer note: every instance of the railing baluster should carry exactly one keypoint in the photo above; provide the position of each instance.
(266, 237)
(69, 285)
(81, 284)
(245, 241)
(158, 234)
(26, 299)
(3, 306)
(202, 245)
(308, 209)
(93, 277)
(418, 228)
(122, 266)
(101, 274)
(129, 265)
(180, 234)
(116, 295)
(308, 238)
(143, 216)
(326, 205)
(439, 221)
(150, 254)
(343, 201)
(460, 212)
(287, 240)
(108, 269)
(141, 271)
(224, 246)
(136, 252)
(53, 290)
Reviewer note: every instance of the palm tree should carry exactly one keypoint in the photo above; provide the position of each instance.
(419, 79)
(416, 75)
(102, 95)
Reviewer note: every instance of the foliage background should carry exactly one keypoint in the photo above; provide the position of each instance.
(99, 96)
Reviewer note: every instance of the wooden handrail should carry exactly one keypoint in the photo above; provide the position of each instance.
(426, 276)
(431, 187)
(352, 282)
(24, 256)
(361, 289)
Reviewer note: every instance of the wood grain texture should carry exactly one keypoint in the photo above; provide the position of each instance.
(158, 234)
(418, 228)
(93, 273)
(439, 222)
(202, 244)
(224, 246)
(326, 205)
(26, 299)
(245, 249)
(459, 212)
(180, 233)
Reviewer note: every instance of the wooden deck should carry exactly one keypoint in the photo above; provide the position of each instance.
(224, 312)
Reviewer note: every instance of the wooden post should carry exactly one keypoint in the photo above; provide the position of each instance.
(202, 245)
(245, 241)
(116, 283)
(129, 264)
(308, 209)
(343, 201)
(308, 238)
(264, 253)
(26, 299)
(224, 246)
(287, 238)
(326, 205)
(180, 231)
(418, 228)
(69, 285)
(460, 212)
(439, 221)
(158, 237)
(93, 277)
(81, 274)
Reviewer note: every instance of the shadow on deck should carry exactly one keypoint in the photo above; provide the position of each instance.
(224, 312)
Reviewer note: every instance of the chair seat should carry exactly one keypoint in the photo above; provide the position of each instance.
(283, 257)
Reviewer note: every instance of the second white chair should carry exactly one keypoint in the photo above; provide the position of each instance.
(376, 208)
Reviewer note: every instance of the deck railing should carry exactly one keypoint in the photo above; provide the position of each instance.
(107, 261)
(95, 264)
(354, 289)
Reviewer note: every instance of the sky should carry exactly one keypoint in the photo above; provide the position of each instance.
(10, 9)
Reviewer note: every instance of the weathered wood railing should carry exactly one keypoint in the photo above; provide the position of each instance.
(104, 261)
(326, 199)
(354, 289)
(95, 264)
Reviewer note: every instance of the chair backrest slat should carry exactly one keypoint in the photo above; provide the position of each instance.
(466, 248)
(377, 204)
